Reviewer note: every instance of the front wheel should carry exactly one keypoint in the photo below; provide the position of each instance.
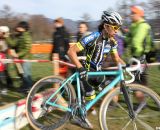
(41, 110)
(114, 114)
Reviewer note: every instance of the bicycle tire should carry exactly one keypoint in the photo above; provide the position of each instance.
(112, 115)
(38, 94)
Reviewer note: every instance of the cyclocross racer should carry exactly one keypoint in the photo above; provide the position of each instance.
(98, 45)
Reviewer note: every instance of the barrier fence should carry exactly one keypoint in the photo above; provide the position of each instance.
(5, 61)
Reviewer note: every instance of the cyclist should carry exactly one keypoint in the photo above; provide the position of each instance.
(97, 45)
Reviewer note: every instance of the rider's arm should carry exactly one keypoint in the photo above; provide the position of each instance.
(11, 42)
(114, 53)
(72, 53)
(27, 41)
(116, 58)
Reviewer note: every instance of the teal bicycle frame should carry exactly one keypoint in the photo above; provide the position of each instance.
(119, 77)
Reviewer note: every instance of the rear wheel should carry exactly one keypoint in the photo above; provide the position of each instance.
(40, 114)
(114, 115)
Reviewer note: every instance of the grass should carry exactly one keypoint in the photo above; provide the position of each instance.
(40, 70)
(154, 78)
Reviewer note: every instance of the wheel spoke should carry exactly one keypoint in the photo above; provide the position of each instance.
(118, 118)
(140, 107)
(149, 115)
(145, 125)
(120, 106)
(125, 127)
(134, 125)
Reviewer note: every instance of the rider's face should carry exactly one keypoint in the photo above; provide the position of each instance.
(111, 30)
(134, 17)
(58, 24)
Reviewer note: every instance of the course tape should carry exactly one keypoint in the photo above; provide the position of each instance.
(5, 61)
(60, 61)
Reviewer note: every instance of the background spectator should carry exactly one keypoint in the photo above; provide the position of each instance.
(60, 39)
(4, 33)
(139, 43)
(2, 74)
(21, 42)
(138, 31)
(82, 31)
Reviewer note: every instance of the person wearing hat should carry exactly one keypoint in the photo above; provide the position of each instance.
(138, 31)
(21, 41)
(139, 42)
(60, 39)
(4, 33)
(3, 83)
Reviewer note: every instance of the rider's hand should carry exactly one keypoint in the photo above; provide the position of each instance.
(143, 58)
(82, 73)
(128, 65)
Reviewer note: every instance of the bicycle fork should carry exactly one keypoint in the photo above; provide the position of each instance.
(125, 91)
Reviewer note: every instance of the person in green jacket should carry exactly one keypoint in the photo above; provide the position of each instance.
(22, 42)
(139, 42)
(138, 37)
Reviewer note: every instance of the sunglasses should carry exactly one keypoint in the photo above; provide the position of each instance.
(114, 27)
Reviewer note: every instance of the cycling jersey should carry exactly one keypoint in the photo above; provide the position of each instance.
(96, 49)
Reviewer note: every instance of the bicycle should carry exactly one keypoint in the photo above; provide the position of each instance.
(59, 104)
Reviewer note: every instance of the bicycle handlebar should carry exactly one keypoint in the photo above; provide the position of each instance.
(132, 68)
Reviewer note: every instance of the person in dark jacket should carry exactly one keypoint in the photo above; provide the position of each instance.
(60, 39)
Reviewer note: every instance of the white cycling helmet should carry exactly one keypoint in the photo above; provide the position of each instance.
(4, 29)
(112, 18)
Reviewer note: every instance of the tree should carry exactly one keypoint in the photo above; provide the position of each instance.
(155, 8)
(6, 14)
(86, 17)
(154, 16)
(41, 27)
